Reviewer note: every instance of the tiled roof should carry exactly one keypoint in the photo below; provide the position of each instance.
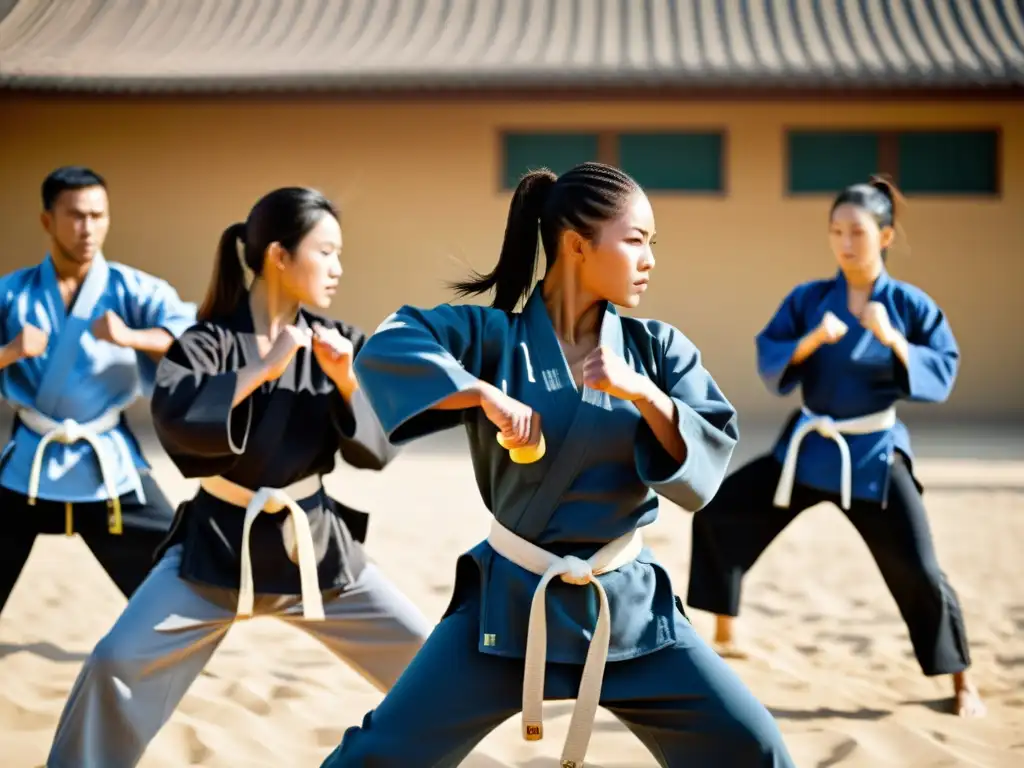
(210, 45)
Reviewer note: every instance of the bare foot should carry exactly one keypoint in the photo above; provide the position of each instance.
(725, 643)
(966, 699)
(730, 650)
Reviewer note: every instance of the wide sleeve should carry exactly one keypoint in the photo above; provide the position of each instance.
(419, 357)
(361, 438)
(933, 354)
(192, 403)
(6, 298)
(154, 303)
(776, 344)
(707, 424)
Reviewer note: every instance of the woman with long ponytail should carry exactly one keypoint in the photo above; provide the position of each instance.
(856, 344)
(227, 287)
(255, 401)
(577, 417)
(512, 277)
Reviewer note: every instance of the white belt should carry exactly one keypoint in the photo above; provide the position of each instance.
(274, 500)
(69, 432)
(826, 426)
(572, 570)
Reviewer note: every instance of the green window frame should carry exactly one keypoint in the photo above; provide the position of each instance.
(674, 161)
(825, 161)
(948, 162)
(525, 151)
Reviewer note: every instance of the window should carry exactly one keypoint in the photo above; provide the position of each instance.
(674, 162)
(948, 162)
(921, 162)
(526, 152)
(827, 161)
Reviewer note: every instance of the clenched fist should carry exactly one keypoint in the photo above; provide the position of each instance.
(605, 371)
(876, 319)
(31, 342)
(831, 329)
(333, 352)
(110, 327)
(289, 341)
(517, 423)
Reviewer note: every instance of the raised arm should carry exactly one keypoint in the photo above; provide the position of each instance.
(927, 359)
(418, 363)
(155, 316)
(201, 411)
(361, 438)
(783, 345)
(11, 347)
(704, 420)
(18, 342)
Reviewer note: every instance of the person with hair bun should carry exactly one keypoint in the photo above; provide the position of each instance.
(577, 417)
(254, 400)
(856, 344)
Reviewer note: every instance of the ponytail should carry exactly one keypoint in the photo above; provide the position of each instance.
(227, 288)
(886, 186)
(896, 202)
(512, 277)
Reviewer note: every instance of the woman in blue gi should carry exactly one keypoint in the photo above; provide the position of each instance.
(856, 344)
(598, 413)
(255, 400)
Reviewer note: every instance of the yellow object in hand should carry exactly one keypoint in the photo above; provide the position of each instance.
(528, 454)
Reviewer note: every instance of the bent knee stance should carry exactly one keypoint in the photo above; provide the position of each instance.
(96, 726)
(690, 708)
(381, 747)
(738, 733)
(752, 737)
(112, 656)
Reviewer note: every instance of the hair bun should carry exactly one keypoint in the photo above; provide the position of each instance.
(886, 186)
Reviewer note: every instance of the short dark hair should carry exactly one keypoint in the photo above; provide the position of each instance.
(68, 177)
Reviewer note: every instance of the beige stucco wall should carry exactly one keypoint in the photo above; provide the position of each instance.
(419, 184)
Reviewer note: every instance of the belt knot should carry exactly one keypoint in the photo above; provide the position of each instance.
(70, 431)
(577, 571)
(826, 427)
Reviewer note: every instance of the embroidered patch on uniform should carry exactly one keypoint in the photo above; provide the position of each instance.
(490, 639)
(552, 380)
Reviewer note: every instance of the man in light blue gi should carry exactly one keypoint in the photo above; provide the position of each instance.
(81, 338)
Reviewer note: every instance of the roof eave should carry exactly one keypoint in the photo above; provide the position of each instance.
(646, 85)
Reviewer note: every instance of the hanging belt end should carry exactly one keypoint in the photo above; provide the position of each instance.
(313, 614)
(533, 731)
(114, 521)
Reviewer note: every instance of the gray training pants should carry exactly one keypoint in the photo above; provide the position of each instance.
(136, 676)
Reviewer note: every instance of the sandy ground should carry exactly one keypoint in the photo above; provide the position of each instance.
(831, 657)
